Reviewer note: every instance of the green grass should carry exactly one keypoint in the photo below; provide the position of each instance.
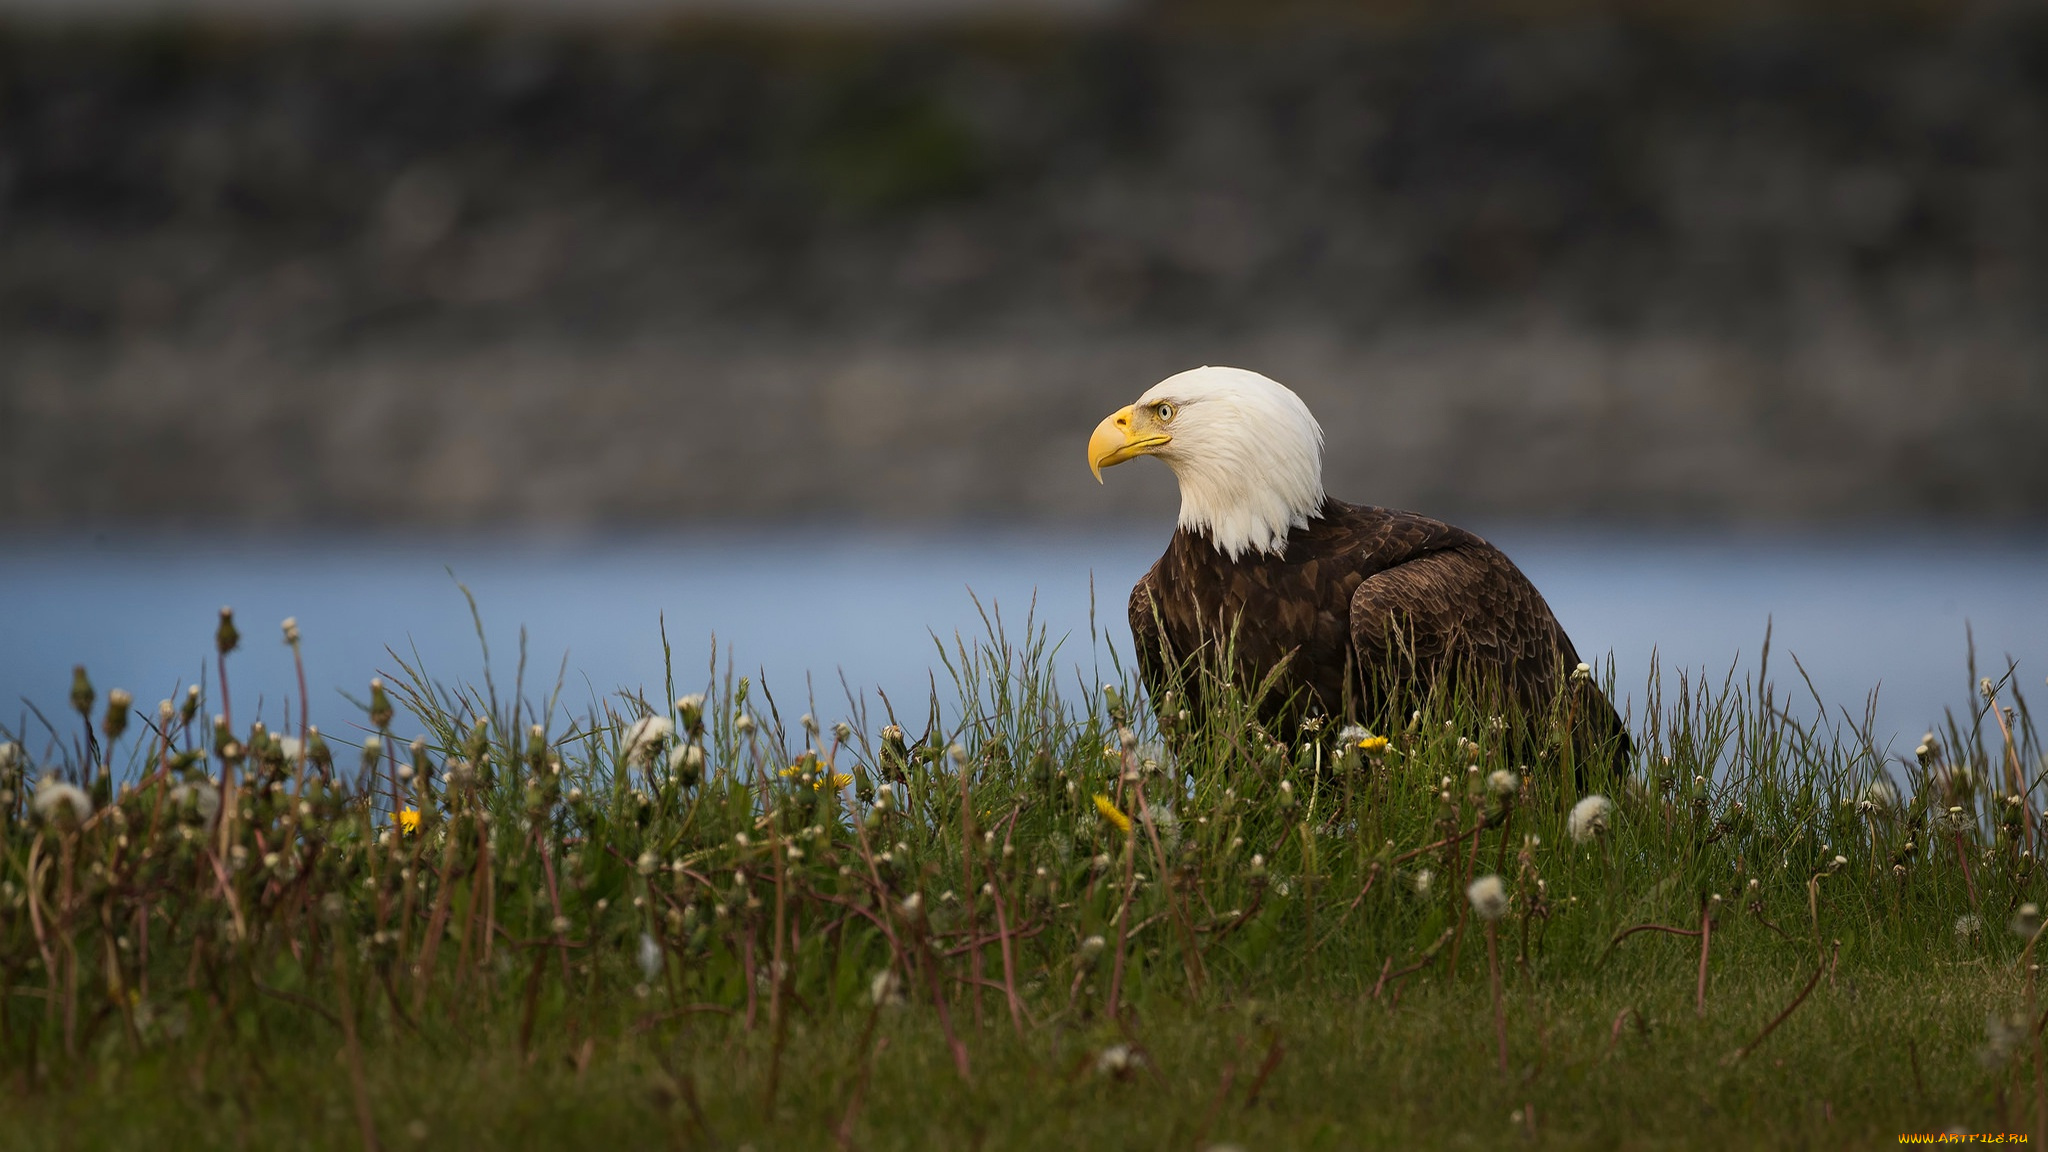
(580, 945)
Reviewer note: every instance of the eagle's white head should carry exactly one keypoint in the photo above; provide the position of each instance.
(1248, 455)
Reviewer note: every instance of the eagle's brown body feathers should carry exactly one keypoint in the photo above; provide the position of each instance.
(1366, 607)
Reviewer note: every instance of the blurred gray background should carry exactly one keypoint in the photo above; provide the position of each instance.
(361, 263)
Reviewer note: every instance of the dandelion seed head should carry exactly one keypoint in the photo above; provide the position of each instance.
(1489, 897)
(56, 801)
(645, 738)
(1589, 818)
(649, 957)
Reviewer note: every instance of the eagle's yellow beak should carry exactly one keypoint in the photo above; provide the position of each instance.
(1115, 441)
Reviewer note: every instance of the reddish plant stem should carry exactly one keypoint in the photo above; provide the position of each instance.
(1818, 971)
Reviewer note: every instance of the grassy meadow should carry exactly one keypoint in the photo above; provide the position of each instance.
(1031, 911)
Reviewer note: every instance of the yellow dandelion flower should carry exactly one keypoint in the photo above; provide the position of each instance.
(409, 820)
(1111, 813)
(792, 770)
(838, 780)
(1373, 745)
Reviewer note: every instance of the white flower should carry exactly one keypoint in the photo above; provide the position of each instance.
(1882, 795)
(205, 798)
(1489, 897)
(1092, 947)
(645, 738)
(2002, 1037)
(1423, 881)
(292, 749)
(913, 906)
(1166, 824)
(1503, 783)
(53, 795)
(2025, 922)
(1118, 1060)
(1589, 818)
(886, 989)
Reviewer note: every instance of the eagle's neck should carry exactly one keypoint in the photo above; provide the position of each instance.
(1250, 502)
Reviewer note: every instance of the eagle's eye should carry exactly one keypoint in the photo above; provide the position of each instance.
(1164, 412)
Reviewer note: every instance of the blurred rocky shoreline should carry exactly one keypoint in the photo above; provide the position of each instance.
(1567, 268)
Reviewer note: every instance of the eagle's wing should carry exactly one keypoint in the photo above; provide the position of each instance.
(1466, 610)
(1465, 607)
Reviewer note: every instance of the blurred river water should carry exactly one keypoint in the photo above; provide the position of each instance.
(1859, 611)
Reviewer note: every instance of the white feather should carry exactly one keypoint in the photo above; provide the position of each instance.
(1247, 453)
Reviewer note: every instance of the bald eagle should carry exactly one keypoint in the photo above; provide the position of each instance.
(1343, 609)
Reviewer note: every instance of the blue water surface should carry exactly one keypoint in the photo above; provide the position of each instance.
(1859, 611)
